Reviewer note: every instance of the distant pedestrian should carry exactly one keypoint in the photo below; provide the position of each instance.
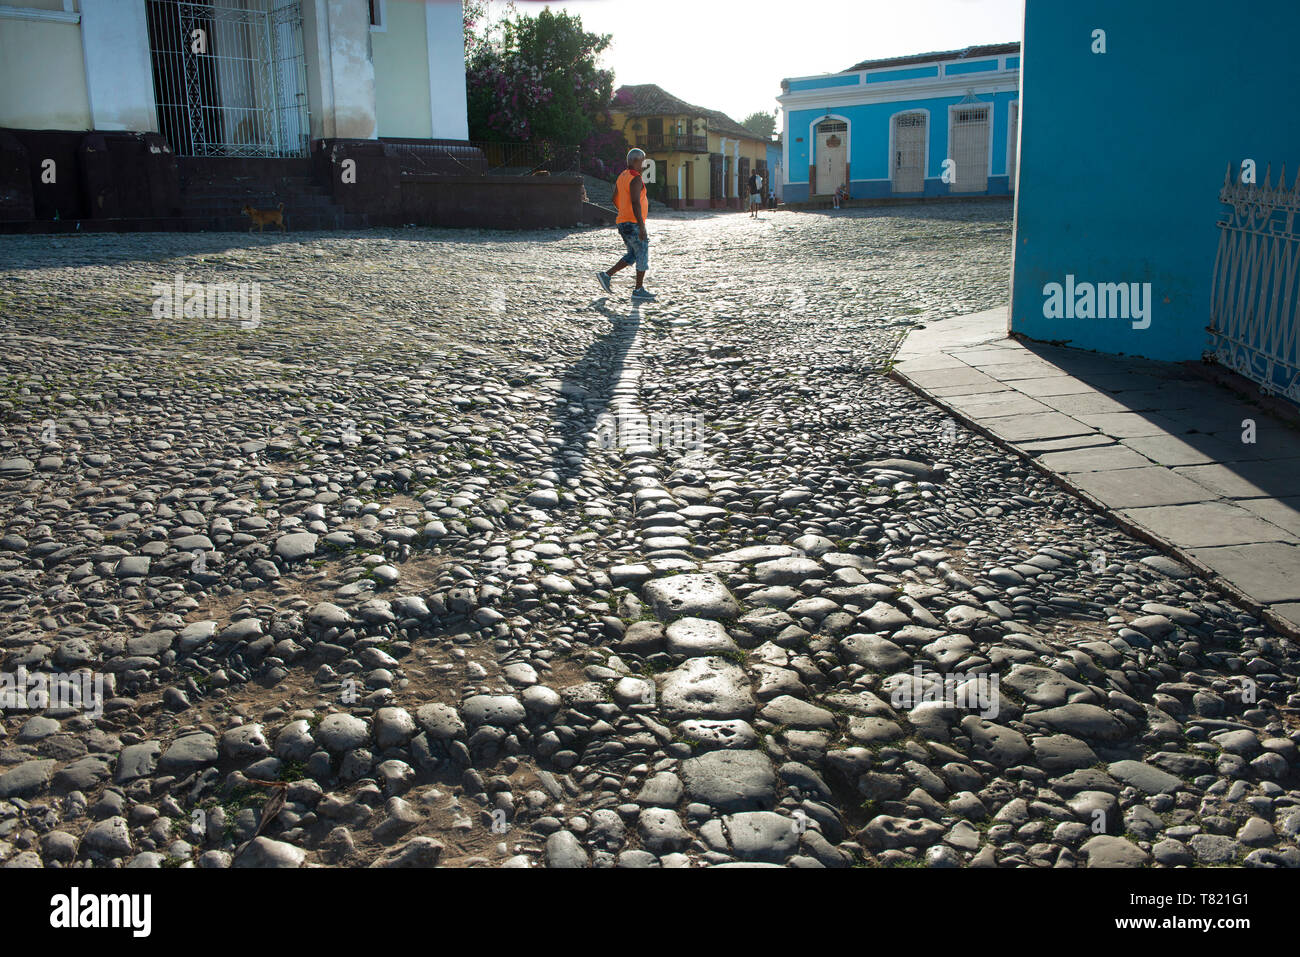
(755, 193)
(839, 195)
(633, 206)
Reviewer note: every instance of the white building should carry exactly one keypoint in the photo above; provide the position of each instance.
(235, 77)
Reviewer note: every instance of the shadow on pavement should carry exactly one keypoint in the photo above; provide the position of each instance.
(588, 385)
(1178, 419)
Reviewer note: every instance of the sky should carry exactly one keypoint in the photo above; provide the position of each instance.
(731, 56)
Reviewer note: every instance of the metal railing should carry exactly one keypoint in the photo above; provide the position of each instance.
(230, 80)
(452, 157)
(675, 141)
(1253, 299)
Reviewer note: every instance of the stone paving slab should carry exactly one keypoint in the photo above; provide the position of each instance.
(1163, 451)
(1034, 425)
(1055, 385)
(1127, 425)
(1266, 570)
(1246, 479)
(1172, 452)
(998, 404)
(1289, 612)
(1083, 403)
(1070, 443)
(1207, 523)
(1136, 487)
(1282, 512)
(1099, 459)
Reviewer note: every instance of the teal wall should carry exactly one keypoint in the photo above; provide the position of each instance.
(1122, 154)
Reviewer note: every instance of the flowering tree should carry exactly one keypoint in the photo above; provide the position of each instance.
(537, 79)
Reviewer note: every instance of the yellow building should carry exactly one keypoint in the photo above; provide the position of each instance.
(703, 158)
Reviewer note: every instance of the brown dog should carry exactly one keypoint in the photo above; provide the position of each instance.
(265, 217)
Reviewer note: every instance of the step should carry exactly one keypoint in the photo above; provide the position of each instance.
(226, 224)
(236, 207)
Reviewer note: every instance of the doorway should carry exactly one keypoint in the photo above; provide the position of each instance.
(908, 170)
(969, 148)
(832, 154)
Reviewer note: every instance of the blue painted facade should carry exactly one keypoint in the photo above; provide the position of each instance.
(1124, 152)
(774, 168)
(867, 100)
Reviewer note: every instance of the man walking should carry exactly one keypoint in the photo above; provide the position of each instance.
(633, 205)
(755, 193)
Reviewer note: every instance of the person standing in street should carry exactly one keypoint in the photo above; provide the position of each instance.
(755, 193)
(633, 206)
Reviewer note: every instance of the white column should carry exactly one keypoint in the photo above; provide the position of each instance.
(340, 73)
(444, 25)
(735, 169)
(119, 74)
(722, 148)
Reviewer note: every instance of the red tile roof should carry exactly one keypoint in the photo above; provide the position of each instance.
(649, 99)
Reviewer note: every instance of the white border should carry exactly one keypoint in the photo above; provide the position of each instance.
(1011, 186)
(999, 59)
(33, 13)
(813, 144)
(840, 97)
(382, 25)
(889, 162)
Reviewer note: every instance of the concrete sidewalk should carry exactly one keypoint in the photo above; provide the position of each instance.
(1166, 453)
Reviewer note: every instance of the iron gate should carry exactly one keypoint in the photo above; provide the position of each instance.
(1253, 299)
(230, 76)
(969, 149)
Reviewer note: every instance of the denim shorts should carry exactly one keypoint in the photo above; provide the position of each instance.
(638, 249)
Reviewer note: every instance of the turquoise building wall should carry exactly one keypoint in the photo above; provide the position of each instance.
(985, 79)
(1123, 154)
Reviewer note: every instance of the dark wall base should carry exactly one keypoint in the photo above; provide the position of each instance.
(130, 181)
(69, 174)
(493, 202)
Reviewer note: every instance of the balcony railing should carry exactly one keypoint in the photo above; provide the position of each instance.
(687, 142)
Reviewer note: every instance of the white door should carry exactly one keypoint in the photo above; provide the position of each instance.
(832, 154)
(908, 172)
(1013, 144)
(969, 149)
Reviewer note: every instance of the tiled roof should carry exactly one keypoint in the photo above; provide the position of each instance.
(648, 99)
(970, 53)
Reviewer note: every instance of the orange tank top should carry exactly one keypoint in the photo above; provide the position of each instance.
(623, 198)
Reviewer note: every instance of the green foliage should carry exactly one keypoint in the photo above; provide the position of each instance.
(763, 124)
(536, 78)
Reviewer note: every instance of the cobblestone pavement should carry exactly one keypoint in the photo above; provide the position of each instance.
(485, 568)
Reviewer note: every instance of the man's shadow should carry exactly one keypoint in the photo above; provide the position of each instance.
(587, 389)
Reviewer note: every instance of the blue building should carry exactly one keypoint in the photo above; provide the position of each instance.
(1134, 116)
(775, 169)
(935, 124)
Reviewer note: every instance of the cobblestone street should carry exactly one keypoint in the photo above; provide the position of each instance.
(495, 570)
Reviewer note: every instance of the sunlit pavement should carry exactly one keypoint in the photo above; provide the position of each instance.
(498, 570)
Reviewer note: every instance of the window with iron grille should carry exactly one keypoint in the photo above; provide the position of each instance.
(229, 80)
